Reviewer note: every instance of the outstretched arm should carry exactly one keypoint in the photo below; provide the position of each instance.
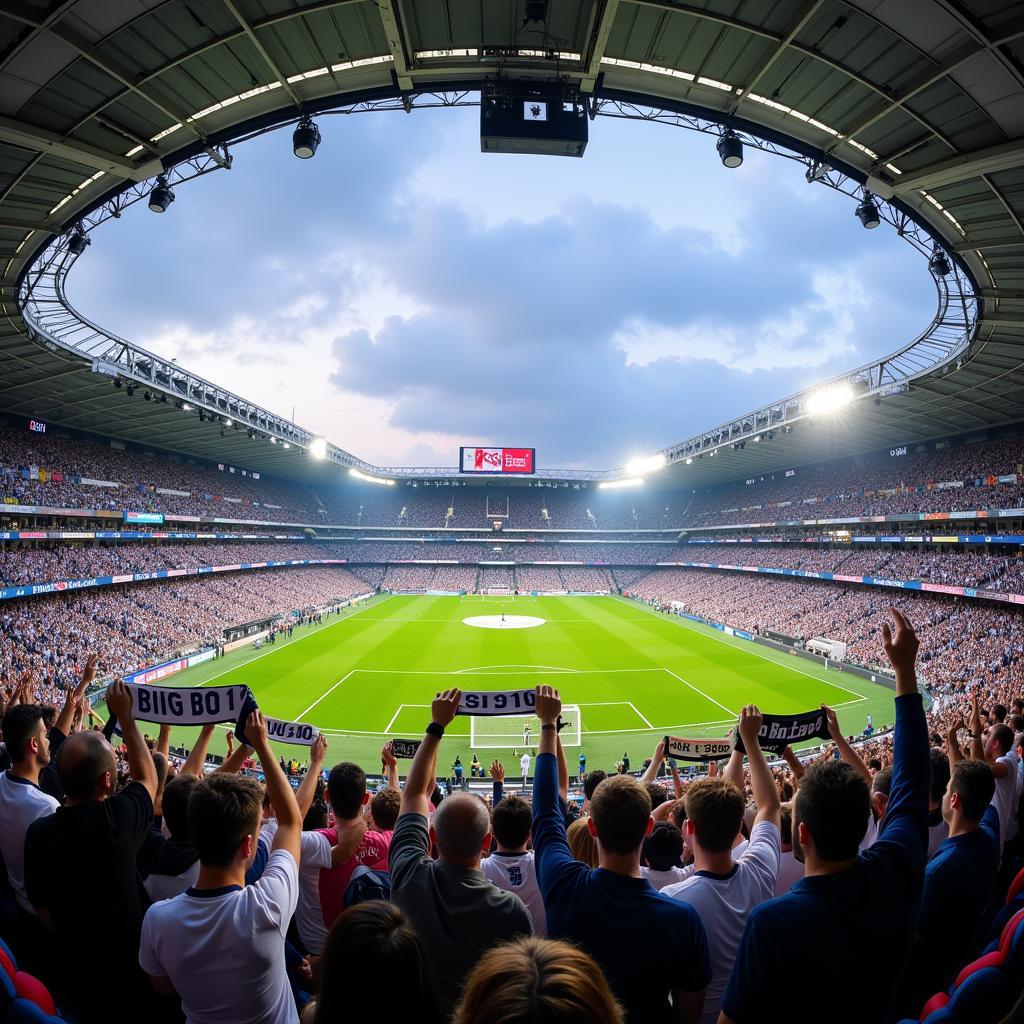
(766, 795)
(419, 783)
(390, 764)
(846, 752)
(652, 769)
(795, 766)
(279, 789)
(307, 790)
(197, 755)
(734, 769)
(563, 769)
(74, 697)
(953, 752)
(140, 760)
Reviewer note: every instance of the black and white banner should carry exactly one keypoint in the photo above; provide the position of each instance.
(497, 702)
(405, 748)
(206, 705)
(696, 750)
(778, 731)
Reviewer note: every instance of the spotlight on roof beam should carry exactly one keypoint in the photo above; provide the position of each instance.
(161, 197)
(828, 400)
(370, 479)
(689, 462)
(867, 211)
(287, 445)
(631, 481)
(730, 149)
(185, 407)
(305, 139)
(645, 464)
(757, 439)
(227, 421)
(78, 242)
(938, 264)
(318, 448)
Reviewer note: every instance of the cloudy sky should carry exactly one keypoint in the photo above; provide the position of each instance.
(407, 294)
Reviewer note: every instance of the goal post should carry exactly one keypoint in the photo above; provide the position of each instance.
(508, 732)
(496, 592)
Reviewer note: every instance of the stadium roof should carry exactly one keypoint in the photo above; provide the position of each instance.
(920, 101)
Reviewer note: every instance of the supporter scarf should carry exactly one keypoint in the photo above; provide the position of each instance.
(405, 748)
(497, 702)
(300, 733)
(778, 731)
(696, 750)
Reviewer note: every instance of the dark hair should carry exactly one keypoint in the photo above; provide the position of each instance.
(786, 824)
(663, 848)
(715, 806)
(621, 810)
(657, 793)
(222, 811)
(346, 787)
(940, 774)
(974, 782)
(874, 762)
(1003, 735)
(373, 950)
(384, 808)
(511, 821)
(19, 726)
(999, 711)
(678, 813)
(1016, 722)
(80, 775)
(833, 802)
(177, 794)
(882, 782)
(591, 781)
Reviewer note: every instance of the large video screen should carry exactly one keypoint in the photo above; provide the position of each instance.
(496, 460)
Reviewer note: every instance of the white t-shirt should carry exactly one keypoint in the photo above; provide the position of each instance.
(21, 802)
(517, 873)
(1006, 796)
(166, 887)
(223, 950)
(524, 765)
(724, 903)
(659, 879)
(790, 870)
(936, 834)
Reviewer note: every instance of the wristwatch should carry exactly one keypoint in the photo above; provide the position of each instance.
(435, 729)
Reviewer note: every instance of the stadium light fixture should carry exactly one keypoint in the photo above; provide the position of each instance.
(829, 400)
(148, 396)
(730, 149)
(227, 421)
(318, 448)
(78, 241)
(305, 139)
(185, 407)
(645, 464)
(757, 439)
(631, 481)
(689, 462)
(370, 479)
(273, 440)
(938, 264)
(287, 445)
(161, 197)
(867, 211)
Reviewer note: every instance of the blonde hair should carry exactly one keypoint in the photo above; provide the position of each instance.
(582, 844)
(537, 980)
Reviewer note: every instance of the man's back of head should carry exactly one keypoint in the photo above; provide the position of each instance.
(177, 794)
(22, 724)
(974, 785)
(621, 814)
(1000, 740)
(832, 807)
(384, 809)
(461, 824)
(940, 776)
(223, 810)
(714, 811)
(87, 766)
(591, 781)
(511, 821)
(346, 789)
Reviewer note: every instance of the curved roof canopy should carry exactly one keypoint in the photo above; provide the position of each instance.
(919, 101)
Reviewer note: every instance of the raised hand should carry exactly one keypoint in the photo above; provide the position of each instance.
(256, 731)
(659, 752)
(901, 645)
(497, 770)
(119, 701)
(318, 753)
(832, 720)
(387, 756)
(548, 705)
(749, 725)
(445, 707)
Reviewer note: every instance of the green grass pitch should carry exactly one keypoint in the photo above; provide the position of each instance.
(636, 675)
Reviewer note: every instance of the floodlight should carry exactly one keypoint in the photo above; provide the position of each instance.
(828, 399)
(867, 211)
(645, 464)
(287, 445)
(632, 481)
(161, 197)
(689, 462)
(730, 149)
(227, 421)
(318, 448)
(370, 479)
(78, 241)
(757, 439)
(938, 264)
(305, 138)
(185, 407)
(273, 440)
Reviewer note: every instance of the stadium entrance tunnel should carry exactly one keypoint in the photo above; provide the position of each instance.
(503, 621)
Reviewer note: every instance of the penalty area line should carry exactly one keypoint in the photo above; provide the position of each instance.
(302, 714)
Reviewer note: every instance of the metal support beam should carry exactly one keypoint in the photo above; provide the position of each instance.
(262, 50)
(391, 18)
(992, 243)
(1003, 157)
(1003, 319)
(597, 41)
(39, 140)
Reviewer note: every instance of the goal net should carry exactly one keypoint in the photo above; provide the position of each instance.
(508, 732)
(496, 591)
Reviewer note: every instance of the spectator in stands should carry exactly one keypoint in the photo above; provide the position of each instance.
(582, 843)
(384, 807)
(649, 946)
(220, 945)
(457, 912)
(721, 890)
(590, 783)
(534, 980)
(938, 827)
(170, 865)
(842, 890)
(374, 958)
(21, 799)
(959, 880)
(511, 865)
(80, 863)
(999, 752)
(662, 856)
(790, 869)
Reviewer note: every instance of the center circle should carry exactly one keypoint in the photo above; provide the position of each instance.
(503, 621)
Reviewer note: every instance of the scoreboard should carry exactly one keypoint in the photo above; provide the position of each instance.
(497, 460)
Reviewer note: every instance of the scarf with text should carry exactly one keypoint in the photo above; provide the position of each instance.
(778, 731)
(696, 750)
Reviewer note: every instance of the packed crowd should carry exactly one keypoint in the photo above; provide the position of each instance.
(858, 882)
